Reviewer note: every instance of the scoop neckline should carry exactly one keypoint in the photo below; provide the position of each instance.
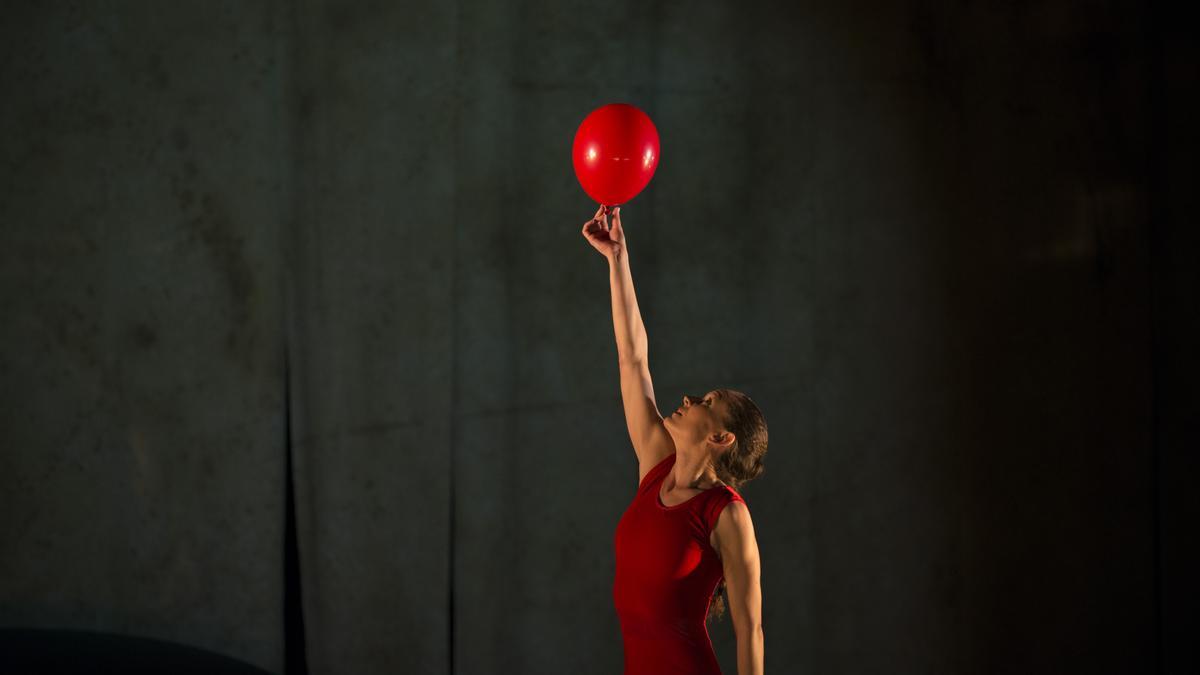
(658, 494)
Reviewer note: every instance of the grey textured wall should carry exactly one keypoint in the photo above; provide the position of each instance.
(921, 237)
(141, 359)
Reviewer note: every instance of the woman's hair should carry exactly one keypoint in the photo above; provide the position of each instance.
(743, 462)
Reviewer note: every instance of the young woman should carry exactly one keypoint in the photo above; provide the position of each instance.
(687, 528)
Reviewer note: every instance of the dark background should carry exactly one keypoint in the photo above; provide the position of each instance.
(320, 264)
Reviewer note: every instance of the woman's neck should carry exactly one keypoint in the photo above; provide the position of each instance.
(693, 472)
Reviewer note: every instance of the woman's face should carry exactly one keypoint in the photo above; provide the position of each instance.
(697, 418)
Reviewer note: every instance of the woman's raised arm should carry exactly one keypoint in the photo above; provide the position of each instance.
(650, 439)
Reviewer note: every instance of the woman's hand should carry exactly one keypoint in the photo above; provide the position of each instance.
(608, 240)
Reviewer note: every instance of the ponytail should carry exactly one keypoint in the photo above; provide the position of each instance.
(716, 607)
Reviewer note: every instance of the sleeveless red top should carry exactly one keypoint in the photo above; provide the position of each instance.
(666, 573)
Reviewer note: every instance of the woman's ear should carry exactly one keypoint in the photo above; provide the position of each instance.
(723, 440)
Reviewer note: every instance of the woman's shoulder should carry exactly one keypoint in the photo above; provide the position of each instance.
(719, 497)
(729, 493)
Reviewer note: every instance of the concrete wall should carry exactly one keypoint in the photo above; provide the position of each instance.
(919, 236)
(141, 361)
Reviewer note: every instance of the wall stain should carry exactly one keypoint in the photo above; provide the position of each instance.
(144, 336)
(216, 231)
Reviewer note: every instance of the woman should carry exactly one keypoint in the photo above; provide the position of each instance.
(687, 527)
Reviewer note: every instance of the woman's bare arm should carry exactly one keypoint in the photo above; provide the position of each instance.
(650, 440)
(627, 318)
(739, 557)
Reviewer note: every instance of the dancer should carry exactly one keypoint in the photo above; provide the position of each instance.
(687, 527)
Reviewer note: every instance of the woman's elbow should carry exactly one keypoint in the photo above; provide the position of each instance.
(747, 627)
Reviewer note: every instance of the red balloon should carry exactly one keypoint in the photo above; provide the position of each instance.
(615, 153)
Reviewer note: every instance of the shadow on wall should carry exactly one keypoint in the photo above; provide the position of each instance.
(66, 652)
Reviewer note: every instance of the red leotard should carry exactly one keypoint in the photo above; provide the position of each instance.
(666, 573)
